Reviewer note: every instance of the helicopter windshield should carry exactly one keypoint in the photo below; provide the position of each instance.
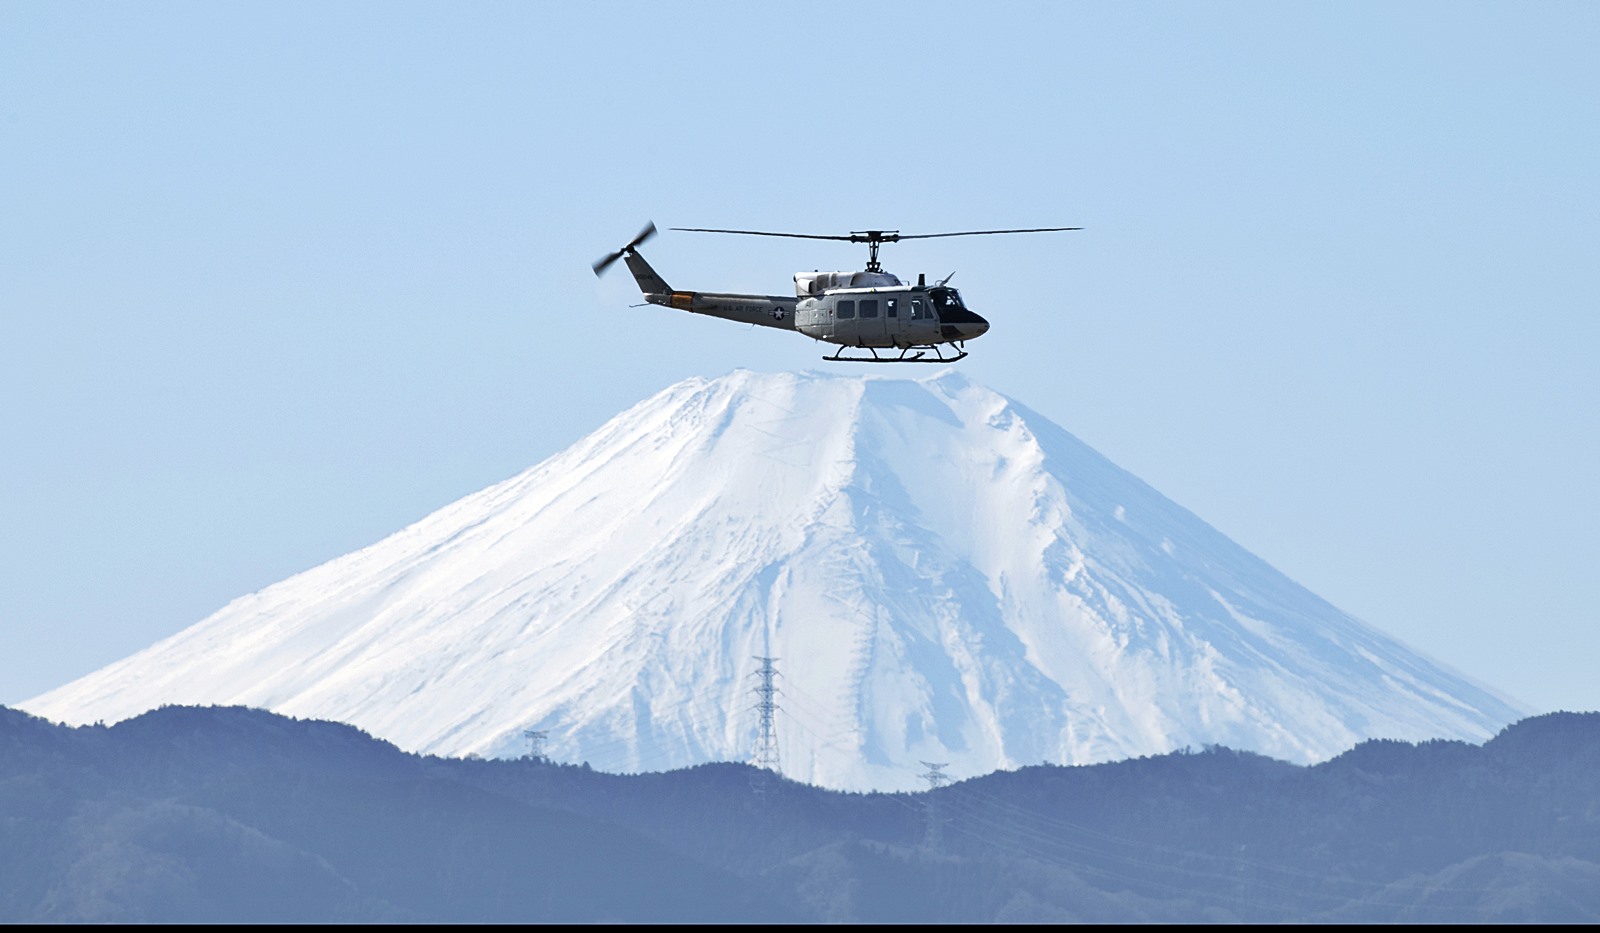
(947, 302)
(946, 299)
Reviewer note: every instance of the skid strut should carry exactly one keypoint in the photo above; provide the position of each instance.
(907, 355)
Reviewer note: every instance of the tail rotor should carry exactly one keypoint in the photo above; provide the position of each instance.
(605, 262)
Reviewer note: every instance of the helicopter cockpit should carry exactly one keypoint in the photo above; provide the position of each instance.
(947, 301)
(946, 298)
(956, 322)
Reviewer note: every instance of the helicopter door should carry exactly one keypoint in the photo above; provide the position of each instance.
(892, 324)
(843, 319)
(921, 324)
(869, 322)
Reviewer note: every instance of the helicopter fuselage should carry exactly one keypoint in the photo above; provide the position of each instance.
(850, 309)
(887, 315)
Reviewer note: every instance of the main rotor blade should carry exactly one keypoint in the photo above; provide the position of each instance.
(929, 236)
(879, 236)
(798, 236)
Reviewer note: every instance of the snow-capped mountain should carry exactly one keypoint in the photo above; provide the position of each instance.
(940, 574)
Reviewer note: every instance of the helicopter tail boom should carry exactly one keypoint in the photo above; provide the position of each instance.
(765, 310)
(650, 281)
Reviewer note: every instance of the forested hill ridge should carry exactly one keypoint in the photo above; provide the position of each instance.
(227, 814)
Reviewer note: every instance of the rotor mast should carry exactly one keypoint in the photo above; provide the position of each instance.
(874, 239)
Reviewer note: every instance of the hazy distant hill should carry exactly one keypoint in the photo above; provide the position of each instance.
(230, 814)
(942, 574)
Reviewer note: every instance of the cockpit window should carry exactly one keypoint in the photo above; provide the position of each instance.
(945, 298)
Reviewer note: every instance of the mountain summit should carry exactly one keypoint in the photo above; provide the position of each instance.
(938, 574)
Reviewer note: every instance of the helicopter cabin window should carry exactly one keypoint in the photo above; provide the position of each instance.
(891, 307)
(847, 310)
(869, 307)
(919, 311)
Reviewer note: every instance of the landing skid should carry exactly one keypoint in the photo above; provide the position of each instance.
(916, 355)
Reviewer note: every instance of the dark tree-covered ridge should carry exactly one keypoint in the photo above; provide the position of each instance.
(226, 814)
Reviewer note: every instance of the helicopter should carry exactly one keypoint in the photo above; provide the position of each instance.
(866, 311)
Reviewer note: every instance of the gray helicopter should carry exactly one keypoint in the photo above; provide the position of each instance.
(871, 310)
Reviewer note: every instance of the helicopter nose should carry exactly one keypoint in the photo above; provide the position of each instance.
(965, 326)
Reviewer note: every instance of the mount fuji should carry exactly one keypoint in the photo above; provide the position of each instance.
(939, 575)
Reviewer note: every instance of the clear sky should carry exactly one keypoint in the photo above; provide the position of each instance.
(277, 279)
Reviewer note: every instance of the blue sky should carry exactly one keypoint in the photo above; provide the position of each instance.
(277, 279)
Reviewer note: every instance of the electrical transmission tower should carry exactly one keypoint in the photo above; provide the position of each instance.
(766, 755)
(936, 778)
(535, 743)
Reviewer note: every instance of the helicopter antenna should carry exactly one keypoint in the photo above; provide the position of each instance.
(945, 279)
(873, 238)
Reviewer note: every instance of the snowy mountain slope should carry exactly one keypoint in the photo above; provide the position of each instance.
(941, 574)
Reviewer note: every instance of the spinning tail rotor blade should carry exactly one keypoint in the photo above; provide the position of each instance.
(605, 262)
